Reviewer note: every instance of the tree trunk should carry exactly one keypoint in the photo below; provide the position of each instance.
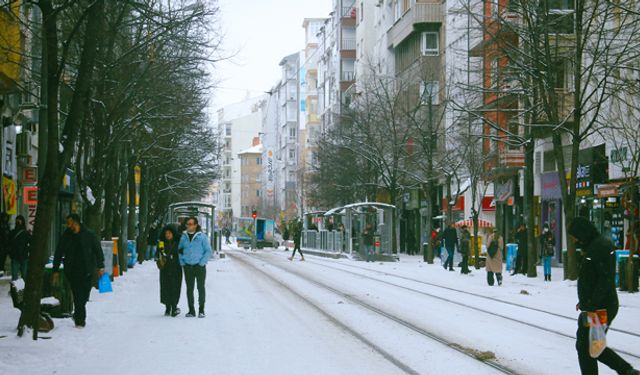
(124, 217)
(532, 252)
(144, 212)
(131, 229)
(633, 228)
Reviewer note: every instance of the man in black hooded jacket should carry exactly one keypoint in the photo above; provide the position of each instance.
(596, 291)
(83, 258)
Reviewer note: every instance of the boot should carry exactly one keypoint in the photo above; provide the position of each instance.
(175, 311)
(167, 310)
(549, 277)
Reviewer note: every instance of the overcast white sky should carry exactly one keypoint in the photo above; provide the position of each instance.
(263, 32)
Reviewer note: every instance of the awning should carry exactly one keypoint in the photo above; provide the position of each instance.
(481, 223)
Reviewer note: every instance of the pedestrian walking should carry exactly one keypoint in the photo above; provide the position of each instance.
(494, 258)
(465, 249)
(152, 242)
(194, 249)
(596, 291)
(367, 242)
(168, 261)
(523, 246)
(450, 236)
(295, 230)
(547, 251)
(4, 241)
(83, 260)
(226, 233)
(20, 240)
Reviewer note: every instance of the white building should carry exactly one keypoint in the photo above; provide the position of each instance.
(238, 124)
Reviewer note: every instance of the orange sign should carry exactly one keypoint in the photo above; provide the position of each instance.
(30, 195)
(30, 175)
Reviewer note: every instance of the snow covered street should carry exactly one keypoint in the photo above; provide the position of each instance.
(268, 315)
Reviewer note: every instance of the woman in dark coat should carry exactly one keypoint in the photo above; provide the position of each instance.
(170, 270)
(596, 291)
(19, 239)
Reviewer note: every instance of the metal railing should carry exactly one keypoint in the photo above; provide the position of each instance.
(348, 44)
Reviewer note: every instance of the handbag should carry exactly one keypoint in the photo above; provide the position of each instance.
(104, 285)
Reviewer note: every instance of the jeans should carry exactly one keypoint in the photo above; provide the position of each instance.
(546, 265)
(18, 267)
(296, 246)
(151, 252)
(368, 249)
(449, 260)
(193, 275)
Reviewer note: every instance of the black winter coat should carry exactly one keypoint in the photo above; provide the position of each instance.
(20, 240)
(450, 236)
(81, 252)
(596, 278)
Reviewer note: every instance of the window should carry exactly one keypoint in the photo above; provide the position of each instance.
(494, 73)
(430, 43)
(257, 193)
(258, 160)
(429, 91)
(494, 8)
(292, 153)
(227, 130)
(292, 132)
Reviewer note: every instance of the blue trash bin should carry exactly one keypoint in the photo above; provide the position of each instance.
(512, 253)
(132, 253)
(619, 253)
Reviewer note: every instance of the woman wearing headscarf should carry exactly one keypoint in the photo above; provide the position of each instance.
(596, 291)
(494, 258)
(170, 271)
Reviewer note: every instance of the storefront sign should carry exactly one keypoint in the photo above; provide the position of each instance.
(604, 191)
(592, 169)
(30, 175)
(9, 190)
(550, 188)
(68, 183)
(31, 219)
(504, 190)
(30, 195)
(488, 204)
(459, 206)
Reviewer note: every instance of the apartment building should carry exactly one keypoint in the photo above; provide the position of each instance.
(238, 124)
(251, 174)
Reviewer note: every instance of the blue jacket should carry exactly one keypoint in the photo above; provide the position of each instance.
(194, 251)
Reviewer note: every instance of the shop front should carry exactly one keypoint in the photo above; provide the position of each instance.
(608, 213)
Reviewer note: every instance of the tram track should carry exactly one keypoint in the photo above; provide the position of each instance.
(466, 305)
(494, 364)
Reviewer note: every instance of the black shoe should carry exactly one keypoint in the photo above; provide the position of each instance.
(175, 311)
(201, 314)
(451, 269)
(632, 371)
(190, 314)
(80, 324)
(167, 310)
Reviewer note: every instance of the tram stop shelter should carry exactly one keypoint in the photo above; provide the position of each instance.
(204, 212)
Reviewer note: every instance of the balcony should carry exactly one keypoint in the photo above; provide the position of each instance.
(511, 158)
(348, 44)
(419, 13)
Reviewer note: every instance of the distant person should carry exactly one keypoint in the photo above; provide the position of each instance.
(152, 241)
(81, 253)
(465, 249)
(522, 239)
(295, 230)
(227, 233)
(194, 249)
(547, 251)
(4, 241)
(494, 258)
(20, 240)
(450, 236)
(367, 241)
(596, 291)
(168, 261)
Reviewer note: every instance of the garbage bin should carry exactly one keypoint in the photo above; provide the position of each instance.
(622, 272)
(132, 253)
(618, 254)
(512, 253)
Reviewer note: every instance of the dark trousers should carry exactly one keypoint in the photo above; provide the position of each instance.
(588, 365)
(490, 279)
(465, 264)
(296, 246)
(3, 258)
(521, 262)
(81, 289)
(195, 275)
(449, 260)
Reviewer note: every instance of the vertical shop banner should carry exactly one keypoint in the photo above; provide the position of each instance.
(9, 193)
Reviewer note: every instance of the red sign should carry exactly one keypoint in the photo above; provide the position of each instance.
(30, 195)
(488, 204)
(31, 221)
(459, 206)
(377, 243)
(30, 175)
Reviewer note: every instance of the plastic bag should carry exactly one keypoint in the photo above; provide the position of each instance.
(104, 284)
(597, 335)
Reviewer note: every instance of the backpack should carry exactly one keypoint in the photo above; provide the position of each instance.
(549, 248)
(493, 248)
